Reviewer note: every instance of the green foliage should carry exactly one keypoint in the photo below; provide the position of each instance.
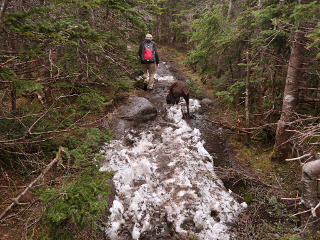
(123, 85)
(248, 198)
(305, 12)
(315, 37)
(291, 237)
(195, 89)
(78, 203)
(275, 37)
(7, 74)
(212, 36)
(225, 96)
(66, 63)
(222, 47)
(237, 87)
(81, 147)
(91, 101)
(233, 92)
(277, 208)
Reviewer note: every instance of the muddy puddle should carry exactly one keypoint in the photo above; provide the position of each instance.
(165, 183)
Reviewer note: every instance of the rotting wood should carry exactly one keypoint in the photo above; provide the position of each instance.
(16, 200)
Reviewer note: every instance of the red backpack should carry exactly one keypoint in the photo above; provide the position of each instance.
(148, 52)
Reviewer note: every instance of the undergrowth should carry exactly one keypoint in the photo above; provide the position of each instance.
(77, 204)
(264, 185)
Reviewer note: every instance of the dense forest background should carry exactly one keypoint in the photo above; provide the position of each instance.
(65, 64)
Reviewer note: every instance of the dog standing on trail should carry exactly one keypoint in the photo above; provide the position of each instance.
(176, 90)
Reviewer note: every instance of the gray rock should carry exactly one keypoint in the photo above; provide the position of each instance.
(137, 110)
(206, 102)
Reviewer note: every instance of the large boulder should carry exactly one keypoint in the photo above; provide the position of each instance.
(137, 110)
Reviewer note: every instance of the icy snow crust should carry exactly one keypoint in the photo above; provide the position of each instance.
(166, 174)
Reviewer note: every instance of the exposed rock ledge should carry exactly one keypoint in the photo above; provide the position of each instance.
(137, 110)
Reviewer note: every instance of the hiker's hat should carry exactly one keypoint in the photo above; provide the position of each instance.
(149, 36)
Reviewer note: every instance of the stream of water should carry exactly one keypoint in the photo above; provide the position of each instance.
(164, 178)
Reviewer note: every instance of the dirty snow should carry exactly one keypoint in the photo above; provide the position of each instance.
(165, 174)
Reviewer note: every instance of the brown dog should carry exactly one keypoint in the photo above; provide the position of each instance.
(177, 90)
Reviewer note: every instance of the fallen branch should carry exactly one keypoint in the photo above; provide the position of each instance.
(299, 213)
(224, 125)
(313, 211)
(16, 200)
(299, 158)
(6, 62)
(291, 199)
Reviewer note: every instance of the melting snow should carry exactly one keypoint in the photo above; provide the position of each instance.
(166, 173)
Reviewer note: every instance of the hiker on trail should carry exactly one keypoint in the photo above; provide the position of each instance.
(149, 59)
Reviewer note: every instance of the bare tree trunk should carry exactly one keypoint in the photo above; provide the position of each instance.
(247, 96)
(282, 146)
(2, 11)
(229, 9)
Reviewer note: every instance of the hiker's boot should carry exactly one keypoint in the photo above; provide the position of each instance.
(145, 86)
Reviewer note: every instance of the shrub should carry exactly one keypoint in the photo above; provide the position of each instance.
(77, 204)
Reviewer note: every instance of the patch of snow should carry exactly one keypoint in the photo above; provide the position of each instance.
(166, 78)
(168, 176)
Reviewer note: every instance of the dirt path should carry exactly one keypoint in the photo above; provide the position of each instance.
(166, 187)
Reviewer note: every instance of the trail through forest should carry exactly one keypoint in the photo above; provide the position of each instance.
(165, 184)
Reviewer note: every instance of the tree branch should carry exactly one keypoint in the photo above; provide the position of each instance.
(298, 158)
(9, 60)
(16, 200)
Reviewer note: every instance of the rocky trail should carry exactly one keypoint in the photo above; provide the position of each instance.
(164, 185)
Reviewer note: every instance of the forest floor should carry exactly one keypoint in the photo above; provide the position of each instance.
(270, 189)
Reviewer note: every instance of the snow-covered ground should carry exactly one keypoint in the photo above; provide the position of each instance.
(164, 174)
